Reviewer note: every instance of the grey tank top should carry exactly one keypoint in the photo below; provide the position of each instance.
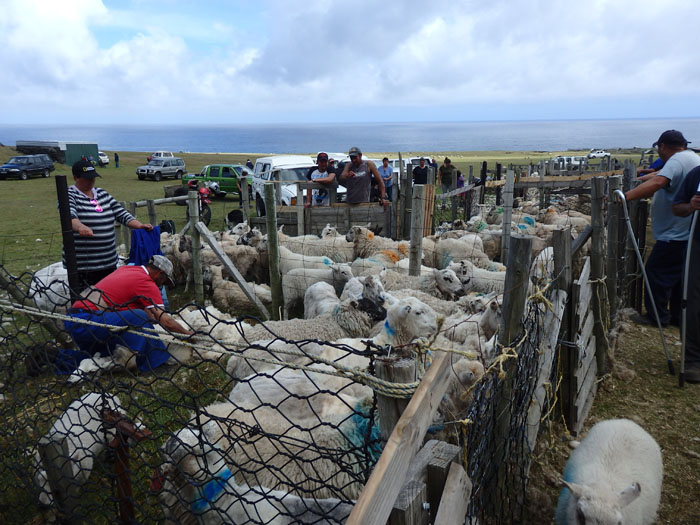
(359, 186)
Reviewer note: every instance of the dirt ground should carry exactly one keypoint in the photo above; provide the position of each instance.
(639, 388)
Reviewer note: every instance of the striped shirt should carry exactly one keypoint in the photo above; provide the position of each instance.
(99, 251)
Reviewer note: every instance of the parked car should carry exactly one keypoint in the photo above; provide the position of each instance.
(157, 169)
(25, 166)
(598, 154)
(290, 168)
(160, 155)
(225, 175)
(571, 161)
(103, 159)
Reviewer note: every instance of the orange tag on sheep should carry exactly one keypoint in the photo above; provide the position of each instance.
(370, 235)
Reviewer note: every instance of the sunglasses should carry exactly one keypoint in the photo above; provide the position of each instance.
(97, 206)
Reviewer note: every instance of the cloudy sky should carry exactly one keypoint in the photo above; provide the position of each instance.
(247, 61)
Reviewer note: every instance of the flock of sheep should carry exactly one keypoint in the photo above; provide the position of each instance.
(355, 290)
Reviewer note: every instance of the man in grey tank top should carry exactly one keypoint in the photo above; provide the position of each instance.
(356, 178)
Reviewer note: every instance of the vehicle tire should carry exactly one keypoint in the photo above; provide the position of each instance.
(259, 206)
(46, 174)
(142, 177)
(180, 192)
(157, 177)
(23, 175)
(205, 214)
(178, 175)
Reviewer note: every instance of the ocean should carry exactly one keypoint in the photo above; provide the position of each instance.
(558, 135)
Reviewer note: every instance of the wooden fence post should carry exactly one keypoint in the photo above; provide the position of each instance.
(482, 194)
(273, 250)
(193, 203)
(417, 210)
(407, 187)
(301, 226)
(542, 173)
(468, 196)
(614, 183)
(394, 370)
(563, 267)
(245, 207)
(394, 200)
(507, 213)
(598, 273)
(499, 191)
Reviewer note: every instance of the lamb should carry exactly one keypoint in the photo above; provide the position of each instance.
(613, 477)
(229, 297)
(441, 306)
(367, 243)
(369, 287)
(374, 264)
(330, 232)
(444, 284)
(295, 282)
(336, 248)
(320, 298)
(542, 269)
(85, 437)
(477, 279)
(199, 487)
(459, 327)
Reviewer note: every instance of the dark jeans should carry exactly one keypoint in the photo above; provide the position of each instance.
(692, 331)
(665, 272)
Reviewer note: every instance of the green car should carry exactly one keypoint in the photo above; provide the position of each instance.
(225, 175)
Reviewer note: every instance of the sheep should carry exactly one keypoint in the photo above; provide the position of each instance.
(459, 327)
(614, 476)
(337, 248)
(448, 250)
(49, 288)
(441, 306)
(542, 268)
(367, 243)
(229, 297)
(320, 298)
(85, 438)
(403, 265)
(195, 484)
(578, 222)
(288, 259)
(444, 284)
(374, 264)
(369, 287)
(296, 281)
(330, 232)
(477, 279)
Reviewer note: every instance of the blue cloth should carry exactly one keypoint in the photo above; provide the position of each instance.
(665, 272)
(386, 174)
(144, 245)
(93, 340)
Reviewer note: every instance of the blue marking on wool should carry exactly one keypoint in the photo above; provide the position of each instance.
(389, 329)
(564, 495)
(355, 431)
(529, 220)
(210, 491)
(446, 260)
(522, 227)
(327, 261)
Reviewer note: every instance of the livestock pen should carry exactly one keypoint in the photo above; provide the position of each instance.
(303, 434)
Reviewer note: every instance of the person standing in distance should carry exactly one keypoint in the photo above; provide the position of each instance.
(664, 266)
(93, 212)
(116, 159)
(420, 172)
(446, 175)
(356, 178)
(386, 172)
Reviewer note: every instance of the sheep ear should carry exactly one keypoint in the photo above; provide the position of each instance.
(576, 490)
(629, 494)
(280, 228)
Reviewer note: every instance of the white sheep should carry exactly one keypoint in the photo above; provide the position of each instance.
(366, 243)
(330, 231)
(49, 288)
(320, 298)
(368, 287)
(542, 268)
(477, 279)
(85, 437)
(441, 283)
(295, 282)
(229, 297)
(195, 483)
(449, 250)
(613, 477)
(337, 248)
(459, 327)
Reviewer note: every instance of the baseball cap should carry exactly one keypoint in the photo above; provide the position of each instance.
(85, 169)
(162, 263)
(447, 160)
(354, 152)
(671, 137)
(322, 156)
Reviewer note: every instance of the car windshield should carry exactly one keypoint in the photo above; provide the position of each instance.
(156, 163)
(292, 174)
(18, 160)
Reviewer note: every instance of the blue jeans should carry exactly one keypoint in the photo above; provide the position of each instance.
(151, 353)
(665, 272)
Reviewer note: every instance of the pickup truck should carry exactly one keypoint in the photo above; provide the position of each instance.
(225, 175)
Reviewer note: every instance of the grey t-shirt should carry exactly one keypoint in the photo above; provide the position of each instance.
(665, 225)
(360, 185)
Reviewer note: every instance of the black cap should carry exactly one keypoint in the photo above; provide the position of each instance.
(354, 152)
(85, 169)
(671, 137)
(322, 156)
(447, 160)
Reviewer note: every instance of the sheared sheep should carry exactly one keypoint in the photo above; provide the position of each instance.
(320, 298)
(614, 476)
(459, 327)
(228, 296)
(443, 284)
(296, 281)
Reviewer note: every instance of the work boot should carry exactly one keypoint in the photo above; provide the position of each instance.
(692, 374)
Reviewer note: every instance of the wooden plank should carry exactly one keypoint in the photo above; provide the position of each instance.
(193, 203)
(584, 391)
(438, 469)
(586, 355)
(377, 499)
(417, 208)
(273, 251)
(228, 264)
(455, 497)
(598, 265)
(409, 508)
(586, 332)
(582, 412)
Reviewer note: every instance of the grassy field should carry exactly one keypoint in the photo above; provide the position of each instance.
(30, 236)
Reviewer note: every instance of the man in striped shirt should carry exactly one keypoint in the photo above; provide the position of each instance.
(93, 212)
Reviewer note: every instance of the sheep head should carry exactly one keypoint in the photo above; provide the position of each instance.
(250, 238)
(357, 232)
(448, 282)
(409, 319)
(329, 232)
(342, 273)
(372, 288)
(465, 273)
(240, 228)
(595, 506)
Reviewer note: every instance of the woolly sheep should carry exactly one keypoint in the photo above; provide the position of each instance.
(613, 477)
(367, 243)
(477, 279)
(49, 288)
(320, 298)
(442, 283)
(196, 484)
(296, 281)
(542, 268)
(229, 297)
(459, 327)
(336, 248)
(448, 250)
(368, 287)
(329, 231)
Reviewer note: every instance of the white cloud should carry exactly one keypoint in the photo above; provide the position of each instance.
(343, 60)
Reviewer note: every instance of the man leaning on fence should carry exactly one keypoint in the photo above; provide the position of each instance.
(664, 266)
(129, 297)
(356, 178)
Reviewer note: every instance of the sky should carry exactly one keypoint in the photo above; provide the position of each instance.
(299, 61)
